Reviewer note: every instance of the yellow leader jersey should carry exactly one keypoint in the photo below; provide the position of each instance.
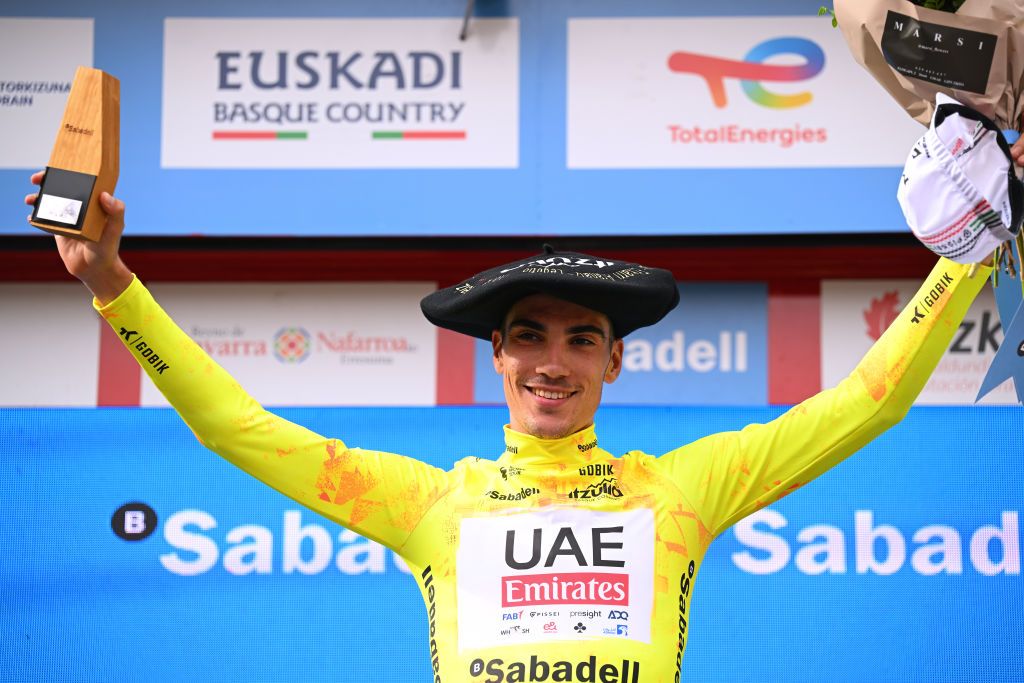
(558, 561)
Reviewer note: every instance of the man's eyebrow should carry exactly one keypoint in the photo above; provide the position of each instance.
(527, 322)
(540, 327)
(582, 329)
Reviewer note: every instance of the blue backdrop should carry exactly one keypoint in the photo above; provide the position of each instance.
(78, 603)
(539, 197)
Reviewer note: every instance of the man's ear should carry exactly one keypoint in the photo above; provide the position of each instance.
(499, 362)
(611, 373)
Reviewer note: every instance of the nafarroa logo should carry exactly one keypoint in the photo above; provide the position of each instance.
(292, 345)
(752, 71)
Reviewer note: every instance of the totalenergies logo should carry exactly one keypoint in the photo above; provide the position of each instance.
(752, 71)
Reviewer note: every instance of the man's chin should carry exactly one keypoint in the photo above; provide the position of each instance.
(551, 429)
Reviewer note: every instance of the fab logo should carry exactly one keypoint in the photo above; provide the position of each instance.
(752, 71)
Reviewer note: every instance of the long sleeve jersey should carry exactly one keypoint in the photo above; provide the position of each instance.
(557, 561)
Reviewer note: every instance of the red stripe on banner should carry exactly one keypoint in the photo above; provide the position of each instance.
(120, 377)
(794, 341)
(454, 368)
(244, 135)
(434, 135)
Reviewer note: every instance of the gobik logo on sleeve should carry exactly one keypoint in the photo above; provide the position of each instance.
(571, 569)
(134, 521)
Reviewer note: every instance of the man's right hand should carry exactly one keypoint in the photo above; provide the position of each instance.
(97, 264)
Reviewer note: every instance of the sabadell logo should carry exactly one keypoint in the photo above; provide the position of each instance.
(292, 345)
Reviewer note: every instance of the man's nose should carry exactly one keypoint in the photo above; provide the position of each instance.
(553, 362)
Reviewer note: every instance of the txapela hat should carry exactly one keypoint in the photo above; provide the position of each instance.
(631, 295)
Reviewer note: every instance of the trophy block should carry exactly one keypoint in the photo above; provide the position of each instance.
(84, 161)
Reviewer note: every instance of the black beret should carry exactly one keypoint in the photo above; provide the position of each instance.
(631, 295)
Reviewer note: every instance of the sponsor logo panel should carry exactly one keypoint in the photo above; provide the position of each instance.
(340, 93)
(566, 588)
(559, 574)
(711, 350)
(724, 92)
(606, 488)
(855, 313)
(196, 542)
(33, 91)
(522, 494)
(322, 344)
(510, 472)
(539, 668)
(881, 545)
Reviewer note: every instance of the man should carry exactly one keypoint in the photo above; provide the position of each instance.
(591, 557)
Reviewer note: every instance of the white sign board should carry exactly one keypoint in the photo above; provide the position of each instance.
(312, 344)
(855, 313)
(38, 58)
(725, 92)
(340, 93)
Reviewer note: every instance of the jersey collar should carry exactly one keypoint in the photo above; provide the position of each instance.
(524, 449)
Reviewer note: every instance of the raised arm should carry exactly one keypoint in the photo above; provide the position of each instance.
(380, 495)
(727, 476)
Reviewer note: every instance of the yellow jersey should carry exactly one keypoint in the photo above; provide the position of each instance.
(557, 561)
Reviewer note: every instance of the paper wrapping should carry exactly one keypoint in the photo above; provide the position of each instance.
(975, 56)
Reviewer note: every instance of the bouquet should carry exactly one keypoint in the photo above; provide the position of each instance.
(970, 50)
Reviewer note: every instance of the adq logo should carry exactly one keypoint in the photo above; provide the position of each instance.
(752, 70)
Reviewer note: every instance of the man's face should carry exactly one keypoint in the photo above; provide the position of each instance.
(554, 357)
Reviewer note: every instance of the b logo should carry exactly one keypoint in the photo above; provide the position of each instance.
(752, 70)
(133, 521)
(476, 667)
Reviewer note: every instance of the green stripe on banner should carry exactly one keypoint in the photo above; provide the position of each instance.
(292, 135)
(387, 135)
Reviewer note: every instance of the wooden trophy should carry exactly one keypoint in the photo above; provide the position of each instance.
(84, 161)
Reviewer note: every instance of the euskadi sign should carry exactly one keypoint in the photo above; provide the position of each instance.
(340, 93)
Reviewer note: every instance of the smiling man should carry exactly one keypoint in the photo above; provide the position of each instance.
(554, 356)
(557, 561)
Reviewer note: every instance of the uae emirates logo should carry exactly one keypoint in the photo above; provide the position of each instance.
(292, 345)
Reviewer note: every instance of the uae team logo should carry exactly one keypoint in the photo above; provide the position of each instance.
(563, 574)
(292, 345)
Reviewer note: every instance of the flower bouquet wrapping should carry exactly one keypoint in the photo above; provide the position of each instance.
(957, 66)
(974, 54)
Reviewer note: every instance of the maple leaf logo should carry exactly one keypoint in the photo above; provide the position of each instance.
(881, 313)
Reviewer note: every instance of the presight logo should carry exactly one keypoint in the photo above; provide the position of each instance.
(292, 344)
(752, 70)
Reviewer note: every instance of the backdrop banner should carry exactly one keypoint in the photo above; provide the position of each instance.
(558, 118)
(132, 553)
